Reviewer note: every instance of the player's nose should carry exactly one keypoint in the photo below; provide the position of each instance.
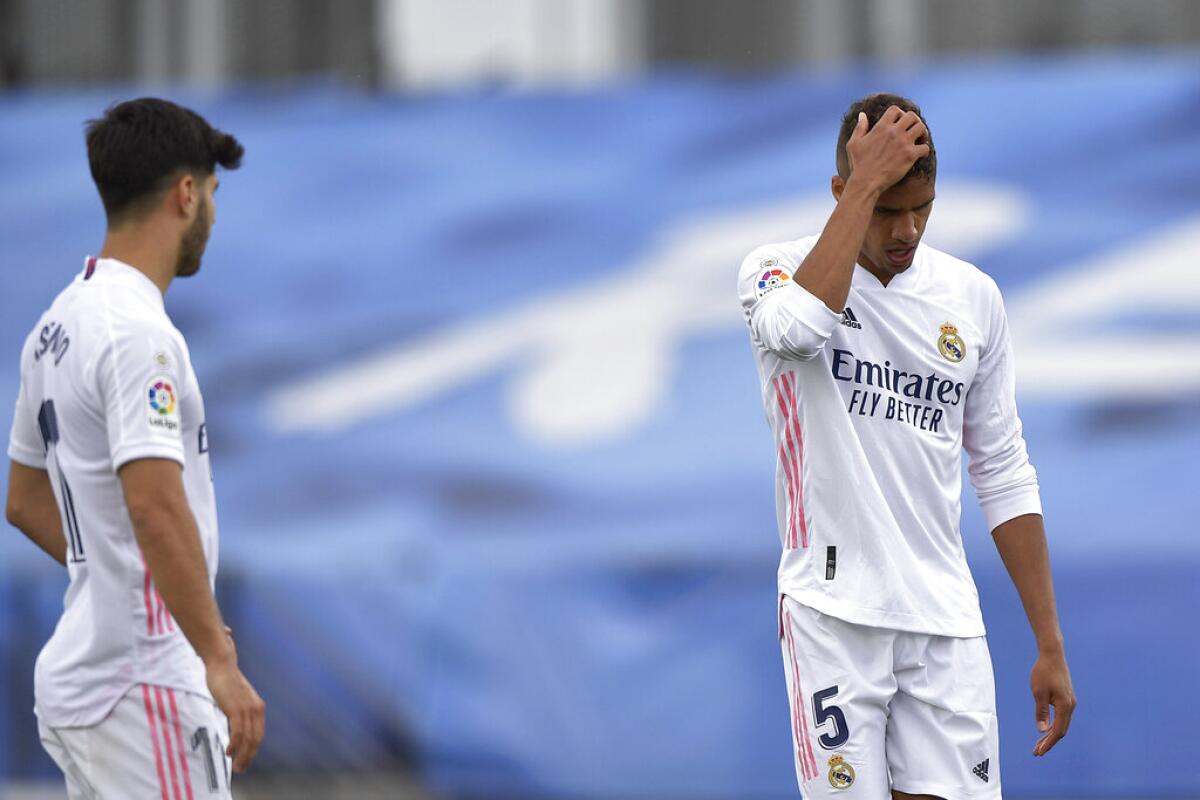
(905, 229)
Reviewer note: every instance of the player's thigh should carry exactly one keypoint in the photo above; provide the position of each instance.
(194, 742)
(59, 748)
(943, 736)
(839, 684)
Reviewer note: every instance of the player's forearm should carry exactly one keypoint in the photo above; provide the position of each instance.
(32, 509)
(829, 267)
(1022, 545)
(43, 528)
(171, 544)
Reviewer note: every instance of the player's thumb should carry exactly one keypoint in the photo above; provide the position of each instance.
(861, 127)
(1043, 715)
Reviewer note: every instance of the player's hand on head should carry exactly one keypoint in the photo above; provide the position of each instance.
(884, 154)
(245, 710)
(1051, 685)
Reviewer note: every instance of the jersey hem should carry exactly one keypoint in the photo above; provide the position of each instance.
(95, 714)
(879, 618)
(126, 454)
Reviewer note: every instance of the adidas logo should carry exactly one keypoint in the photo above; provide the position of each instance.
(849, 320)
(981, 770)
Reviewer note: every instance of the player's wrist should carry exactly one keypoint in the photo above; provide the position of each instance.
(220, 656)
(1051, 646)
(862, 184)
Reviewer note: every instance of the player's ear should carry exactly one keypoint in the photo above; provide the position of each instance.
(838, 185)
(186, 194)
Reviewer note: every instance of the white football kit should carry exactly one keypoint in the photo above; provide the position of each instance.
(106, 379)
(870, 411)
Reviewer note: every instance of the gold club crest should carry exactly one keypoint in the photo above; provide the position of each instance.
(841, 774)
(950, 344)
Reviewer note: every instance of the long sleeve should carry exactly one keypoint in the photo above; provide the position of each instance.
(1004, 480)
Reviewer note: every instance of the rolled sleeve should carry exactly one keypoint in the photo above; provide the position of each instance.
(784, 318)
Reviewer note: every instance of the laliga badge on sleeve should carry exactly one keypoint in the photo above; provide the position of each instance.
(772, 277)
(162, 404)
(841, 774)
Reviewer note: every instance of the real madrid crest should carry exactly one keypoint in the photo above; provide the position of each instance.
(950, 344)
(841, 774)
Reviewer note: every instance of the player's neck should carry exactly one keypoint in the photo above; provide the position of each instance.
(150, 252)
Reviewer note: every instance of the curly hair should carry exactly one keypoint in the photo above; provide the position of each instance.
(139, 146)
(874, 105)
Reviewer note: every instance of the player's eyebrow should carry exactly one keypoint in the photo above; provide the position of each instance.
(886, 210)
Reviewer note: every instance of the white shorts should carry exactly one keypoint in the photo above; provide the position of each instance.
(156, 744)
(876, 709)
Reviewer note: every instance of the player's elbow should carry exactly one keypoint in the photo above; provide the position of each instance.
(152, 518)
(795, 342)
(798, 348)
(19, 508)
(16, 512)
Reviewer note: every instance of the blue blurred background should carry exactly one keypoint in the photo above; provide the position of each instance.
(494, 482)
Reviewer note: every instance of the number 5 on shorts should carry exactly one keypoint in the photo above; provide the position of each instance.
(822, 713)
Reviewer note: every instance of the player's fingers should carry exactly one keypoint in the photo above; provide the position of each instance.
(247, 747)
(1045, 743)
(909, 120)
(918, 131)
(892, 114)
(1064, 708)
(258, 718)
(236, 740)
(1050, 739)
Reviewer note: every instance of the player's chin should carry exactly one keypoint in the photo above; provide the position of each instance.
(188, 268)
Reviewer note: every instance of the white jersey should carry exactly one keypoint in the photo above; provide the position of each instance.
(870, 410)
(106, 379)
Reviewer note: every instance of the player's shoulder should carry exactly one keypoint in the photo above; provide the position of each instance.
(785, 256)
(964, 277)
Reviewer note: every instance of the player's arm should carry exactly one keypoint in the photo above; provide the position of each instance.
(879, 159)
(169, 539)
(32, 509)
(1022, 545)
(1007, 486)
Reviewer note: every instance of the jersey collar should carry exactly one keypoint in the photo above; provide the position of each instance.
(863, 279)
(110, 270)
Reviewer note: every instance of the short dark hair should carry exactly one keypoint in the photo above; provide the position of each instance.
(874, 105)
(139, 146)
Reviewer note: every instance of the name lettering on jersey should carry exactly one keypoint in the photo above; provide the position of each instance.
(53, 339)
(163, 407)
(931, 388)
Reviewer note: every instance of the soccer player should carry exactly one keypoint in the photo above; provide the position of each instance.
(881, 358)
(138, 692)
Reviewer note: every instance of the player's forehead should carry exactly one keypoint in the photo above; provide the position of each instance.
(912, 192)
